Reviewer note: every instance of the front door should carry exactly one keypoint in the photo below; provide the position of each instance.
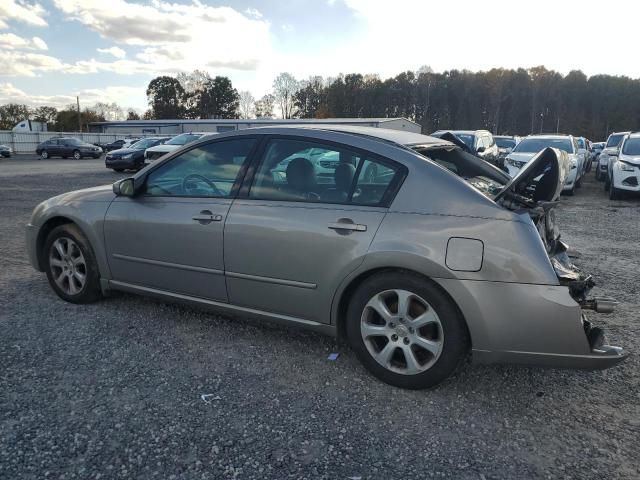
(306, 222)
(170, 237)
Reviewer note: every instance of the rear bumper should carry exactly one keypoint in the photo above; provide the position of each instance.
(529, 324)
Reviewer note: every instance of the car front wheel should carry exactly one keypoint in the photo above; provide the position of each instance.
(44, 154)
(71, 265)
(405, 330)
(77, 155)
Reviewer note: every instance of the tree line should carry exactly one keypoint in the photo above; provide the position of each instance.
(516, 102)
(64, 119)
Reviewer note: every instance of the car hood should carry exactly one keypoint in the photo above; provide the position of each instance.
(521, 156)
(632, 159)
(124, 151)
(541, 179)
(164, 148)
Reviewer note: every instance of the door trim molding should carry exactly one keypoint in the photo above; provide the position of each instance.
(160, 263)
(324, 328)
(277, 281)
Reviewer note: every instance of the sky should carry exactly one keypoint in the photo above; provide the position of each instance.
(109, 50)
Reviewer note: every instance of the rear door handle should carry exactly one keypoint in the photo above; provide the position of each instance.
(205, 217)
(355, 227)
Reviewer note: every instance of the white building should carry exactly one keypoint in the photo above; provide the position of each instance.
(210, 125)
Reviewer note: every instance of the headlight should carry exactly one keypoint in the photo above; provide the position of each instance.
(625, 167)
(128, 156)
(574, 163)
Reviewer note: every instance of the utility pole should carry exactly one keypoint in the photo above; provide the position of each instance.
(79, 121)
(558, 125)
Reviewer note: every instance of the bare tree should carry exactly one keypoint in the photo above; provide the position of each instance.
(247, 102)
(264, 106)
(110, 111)
(285, 87)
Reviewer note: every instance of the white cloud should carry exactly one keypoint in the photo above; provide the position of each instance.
(122, 95)
(178, 36)
(114, 51)
(30, 13)
(12, 41)
(253, 12)
(28, 64)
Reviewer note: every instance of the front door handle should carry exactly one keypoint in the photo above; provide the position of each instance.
(205, 217)
(355, 227)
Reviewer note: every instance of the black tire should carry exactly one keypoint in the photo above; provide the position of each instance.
(597, 174)
(614, 193)
(77, 155)
(455, 346)
(607, 183)
(119, 170)
(578, 183)
(571, 192)
(44, 154)
(90, 291)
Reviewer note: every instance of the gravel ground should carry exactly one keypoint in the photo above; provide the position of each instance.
(113, 389)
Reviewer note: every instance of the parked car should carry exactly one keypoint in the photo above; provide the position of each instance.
(596, 149)
(479, 142)
(132, 157)
(438, 254)
(505, 144)
(115, 145)
(5, 151)
(583, 151)
(66, 147)
(610, 149)
(624, 169)
(153, 153)
(531, 145)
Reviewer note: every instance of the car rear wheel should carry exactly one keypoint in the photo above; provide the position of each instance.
(405, 330)
(71, 266)
(597, 174)
(119, 170)
(77, 155)
(44, 154)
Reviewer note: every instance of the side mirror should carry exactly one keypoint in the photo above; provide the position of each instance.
(480, 149)
(124, 187)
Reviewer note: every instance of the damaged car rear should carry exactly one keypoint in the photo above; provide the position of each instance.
(415, 251)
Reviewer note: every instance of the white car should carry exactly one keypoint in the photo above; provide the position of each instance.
(531, 145)
(583, 151)
(610, 149)
(176, 142)
(624, 169)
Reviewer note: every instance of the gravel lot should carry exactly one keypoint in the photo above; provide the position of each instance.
(113, 389)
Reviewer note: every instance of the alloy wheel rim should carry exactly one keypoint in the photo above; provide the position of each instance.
(76, 155)
(68, 266)
(402, 332)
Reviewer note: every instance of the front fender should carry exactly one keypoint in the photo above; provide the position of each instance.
(87, 215)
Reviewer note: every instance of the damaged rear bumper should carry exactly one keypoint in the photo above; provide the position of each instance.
(530, 324)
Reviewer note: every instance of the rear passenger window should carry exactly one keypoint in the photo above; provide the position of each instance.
(303, 171)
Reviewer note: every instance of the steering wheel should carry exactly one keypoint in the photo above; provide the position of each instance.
(185, 181)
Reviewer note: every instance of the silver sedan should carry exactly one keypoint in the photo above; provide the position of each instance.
(413, 250)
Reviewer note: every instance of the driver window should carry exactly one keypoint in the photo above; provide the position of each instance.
(206, 171)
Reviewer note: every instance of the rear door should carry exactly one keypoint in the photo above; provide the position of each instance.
(305, 220)
(170, 237)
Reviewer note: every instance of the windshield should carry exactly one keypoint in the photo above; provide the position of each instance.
(505, 142)
(183, 139)
(466, 138)
(534, 145)
(614, 140)
(143, 144)
(631, 146)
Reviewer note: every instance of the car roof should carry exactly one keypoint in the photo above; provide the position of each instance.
(548, 135)
(634, 135)
(401, 137)
(468, 132)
